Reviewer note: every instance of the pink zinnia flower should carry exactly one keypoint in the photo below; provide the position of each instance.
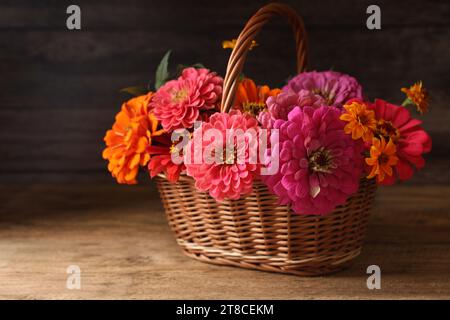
(334, 87)
(232, 178)
(319, 165)
(411, 140)
(279, 106)
(177, 104)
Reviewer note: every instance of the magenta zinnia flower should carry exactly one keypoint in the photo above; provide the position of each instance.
(177, 104)
(334, 87)
(319, 165)
(279, 106)
(233, 177)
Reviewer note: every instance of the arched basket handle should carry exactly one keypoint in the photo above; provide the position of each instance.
(244, 41)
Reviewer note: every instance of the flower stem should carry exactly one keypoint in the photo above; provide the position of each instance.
(407, 102)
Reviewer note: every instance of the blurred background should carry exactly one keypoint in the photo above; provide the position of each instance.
(59, 89)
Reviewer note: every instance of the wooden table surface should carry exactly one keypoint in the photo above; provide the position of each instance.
(119, 238)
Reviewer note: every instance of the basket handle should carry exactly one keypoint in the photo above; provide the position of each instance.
(244, 41)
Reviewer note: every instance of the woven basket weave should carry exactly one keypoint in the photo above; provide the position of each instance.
(255, 232)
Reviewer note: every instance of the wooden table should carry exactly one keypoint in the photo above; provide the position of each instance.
(119, 238)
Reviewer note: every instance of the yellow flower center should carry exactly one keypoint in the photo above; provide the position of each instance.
(180, 95)
(229, 155)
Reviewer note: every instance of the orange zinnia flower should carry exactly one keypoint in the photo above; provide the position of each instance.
(361, 120)
(382, 158)
(129, 138)
(417, 95)
(252, 99)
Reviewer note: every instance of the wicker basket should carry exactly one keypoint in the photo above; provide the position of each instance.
(255, 232)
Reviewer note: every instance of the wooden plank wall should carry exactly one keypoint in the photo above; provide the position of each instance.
(59, 88)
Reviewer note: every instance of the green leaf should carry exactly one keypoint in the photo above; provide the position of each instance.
(198, 65)
(135, 91)
(180, 68)
(162, 72)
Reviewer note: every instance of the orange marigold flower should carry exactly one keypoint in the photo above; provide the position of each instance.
(382, 158)
(129, 138)
(252, 99)
(230, 44)
(418, 96)
(361, 120)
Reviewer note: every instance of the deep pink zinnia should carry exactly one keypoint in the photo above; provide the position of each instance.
(334, 87)
(177, 104)
(231, 178)
(411, 140)
(319, 165)
(279, 106)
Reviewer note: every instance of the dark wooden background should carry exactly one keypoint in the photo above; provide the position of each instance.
(59, 88)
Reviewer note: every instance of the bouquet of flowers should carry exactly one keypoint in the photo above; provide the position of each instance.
(324, 135)
(275, 179)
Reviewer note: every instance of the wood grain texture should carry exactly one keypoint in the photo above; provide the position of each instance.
(120, 239)
(60, 88)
